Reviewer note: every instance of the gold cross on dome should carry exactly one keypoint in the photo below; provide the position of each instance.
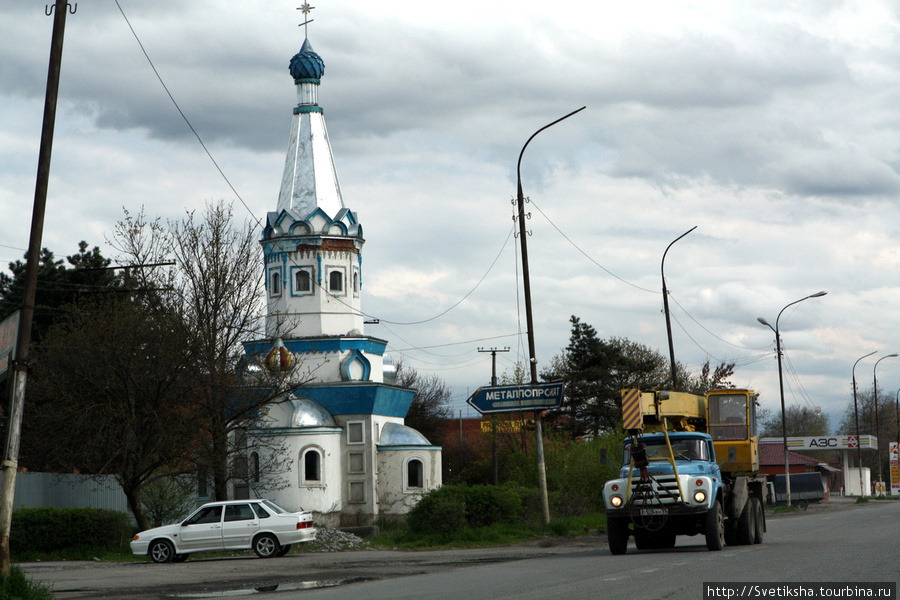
(305, 9)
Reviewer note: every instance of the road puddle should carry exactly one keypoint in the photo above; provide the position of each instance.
(275, 587)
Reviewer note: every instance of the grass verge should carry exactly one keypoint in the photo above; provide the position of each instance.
(16, 586)
(498, 534)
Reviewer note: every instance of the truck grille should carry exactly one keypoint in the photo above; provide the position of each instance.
(661, 489)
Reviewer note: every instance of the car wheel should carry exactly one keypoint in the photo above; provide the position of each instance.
(283, 550)
(266, 545)
(162, 551)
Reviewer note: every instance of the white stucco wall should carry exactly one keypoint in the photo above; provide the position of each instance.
(396, 496)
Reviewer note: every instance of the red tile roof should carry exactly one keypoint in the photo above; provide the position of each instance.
(773, 454)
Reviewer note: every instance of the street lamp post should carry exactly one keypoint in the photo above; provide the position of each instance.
(862, 490)
(529, 320)
(662, 267)
(875, 398)
(897, 413)
(787, 464)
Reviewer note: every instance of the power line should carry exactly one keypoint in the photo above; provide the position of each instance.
(585, 254)
(183, 116)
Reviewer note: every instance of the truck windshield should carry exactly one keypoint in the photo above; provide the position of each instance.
(689, 449)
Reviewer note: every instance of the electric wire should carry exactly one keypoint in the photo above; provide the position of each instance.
(700, 325)
(437, 316)
(183, 116)
(585, 254)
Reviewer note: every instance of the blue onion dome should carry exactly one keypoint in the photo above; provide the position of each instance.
(306, 64)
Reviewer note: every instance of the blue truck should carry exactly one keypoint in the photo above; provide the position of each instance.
(689, 467)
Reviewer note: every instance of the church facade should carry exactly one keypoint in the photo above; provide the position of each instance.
(352, 459)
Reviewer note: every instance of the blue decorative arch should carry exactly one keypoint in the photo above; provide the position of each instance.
(355, 357)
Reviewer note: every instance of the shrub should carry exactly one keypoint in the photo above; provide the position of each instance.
(452, 507)
(439, 511)
(17, 586)
(168, 499)
(51, 529)
(487, 504)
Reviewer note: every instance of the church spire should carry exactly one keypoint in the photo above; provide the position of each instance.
(310, 180)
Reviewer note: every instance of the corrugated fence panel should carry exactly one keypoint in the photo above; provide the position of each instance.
(35, 490)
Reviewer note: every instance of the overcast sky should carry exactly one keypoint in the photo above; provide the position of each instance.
(772, 126)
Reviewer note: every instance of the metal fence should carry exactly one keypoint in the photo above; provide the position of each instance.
(62, 490)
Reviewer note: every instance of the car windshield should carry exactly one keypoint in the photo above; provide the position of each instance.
(682, 449)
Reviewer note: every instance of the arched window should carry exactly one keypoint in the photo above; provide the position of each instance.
(336, 281)
(275, 288)
(356, 283)
(303, 281)
(415, 474)
(254, 467)
(312, 467)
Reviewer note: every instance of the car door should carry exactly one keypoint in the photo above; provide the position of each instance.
(202, 531)
(239, 526)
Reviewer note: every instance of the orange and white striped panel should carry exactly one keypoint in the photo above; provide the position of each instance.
(631, 409)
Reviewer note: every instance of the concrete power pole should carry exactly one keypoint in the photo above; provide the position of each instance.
(20, 365)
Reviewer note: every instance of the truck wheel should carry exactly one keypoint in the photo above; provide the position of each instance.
(746, 525)
(617, 534)
(715, 527)
(760, 528)
(642, 541)
(731, 533)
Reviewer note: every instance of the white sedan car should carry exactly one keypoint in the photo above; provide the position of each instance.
(260, 525)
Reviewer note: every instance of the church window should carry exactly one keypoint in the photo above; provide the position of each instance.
(356, 283)
(303, 281)
(275, 287)
(312, 467)
(355, 434)
(415, 474)
(336, 281)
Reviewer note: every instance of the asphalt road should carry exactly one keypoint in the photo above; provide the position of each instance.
(837, 542)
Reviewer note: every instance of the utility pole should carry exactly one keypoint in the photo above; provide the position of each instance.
(529, 320)
(20, 363)
(495, 464)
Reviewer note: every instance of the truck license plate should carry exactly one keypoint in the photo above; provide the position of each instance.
(654, 512)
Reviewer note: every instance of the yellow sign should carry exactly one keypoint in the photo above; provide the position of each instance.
(506, 426)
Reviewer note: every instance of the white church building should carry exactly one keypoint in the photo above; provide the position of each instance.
(351, 457)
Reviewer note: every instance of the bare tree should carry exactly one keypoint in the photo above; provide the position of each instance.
(798, 420)
(430, 407)
(218, 287)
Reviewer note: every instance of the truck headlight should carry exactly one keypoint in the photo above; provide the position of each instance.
(616, 501)
(699, 496)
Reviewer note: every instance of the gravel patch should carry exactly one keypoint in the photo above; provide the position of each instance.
(334, 540)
